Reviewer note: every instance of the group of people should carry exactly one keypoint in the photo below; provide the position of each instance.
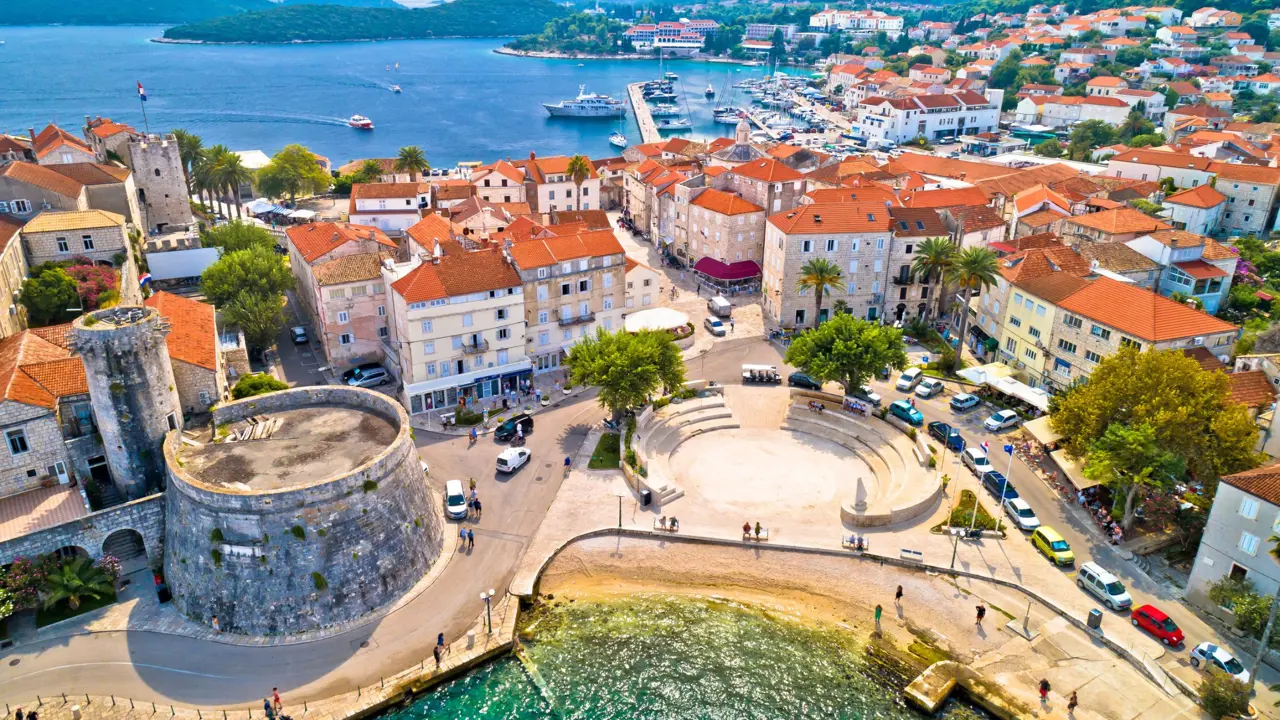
(856, 406)
(747, 530)
(815, 406)
(273, 707)
(670, 523)
(1088, 499)
(858, 542)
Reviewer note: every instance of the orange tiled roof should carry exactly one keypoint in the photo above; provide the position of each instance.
(17, 352)
(59, 335)
(945, 198)
(1119, 221)
(721, 202)
(1040, 261)
(1262, 482)
(42, 177)
(92, 173)
(1042, 218)
(541, 252)
(314, 240)
(193, 338)
(9, 227)
(1251, 389)
(768, 170)
(1202, 196)
(1246, 173)
(379, 191)
(461, 273)
(351, 268)
(833, 218)
(54, 137)
(1141, 313)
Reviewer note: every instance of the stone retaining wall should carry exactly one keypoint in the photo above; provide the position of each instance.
(145, 516)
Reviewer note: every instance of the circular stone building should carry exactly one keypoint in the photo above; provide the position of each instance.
(300, 510)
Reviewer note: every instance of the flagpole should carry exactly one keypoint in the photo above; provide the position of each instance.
(142, 101)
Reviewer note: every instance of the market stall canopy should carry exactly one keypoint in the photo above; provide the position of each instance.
(986, 373)
(303, 214)
(1035, 397)
(1073, 470)
(1040, 430)
(656, 319)
(727, 271)
(262, 207)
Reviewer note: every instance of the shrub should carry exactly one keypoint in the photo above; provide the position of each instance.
(318, 580)
(216, 554)
(1223, 695)
(298, 532)
(911, 433)
(216, 535)
(661, 403)
(256, 384)
(463, 416)
(962, 515)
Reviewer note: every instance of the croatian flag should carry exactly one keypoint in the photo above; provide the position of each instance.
(142, 94)
(144, 279)
(985, 446)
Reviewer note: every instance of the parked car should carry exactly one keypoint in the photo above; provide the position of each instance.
(1107, 587)
(965, 401)
(1002, 420)
(998, 485)
(1154, 621)
(714, 326)
(929, 387)
(975, 458)
(1020, 513)
(800, 380)
(507, 430)
(867, 395)
(455, 501)
(1208, 654)
(370, 377)
(299, 335)
(358, 370)
(947, 434)
(905, 412)
(1053, 546)
(908, 380)
(512, 459)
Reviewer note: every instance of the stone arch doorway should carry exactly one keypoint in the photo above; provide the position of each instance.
(128, 547)
(69, 552)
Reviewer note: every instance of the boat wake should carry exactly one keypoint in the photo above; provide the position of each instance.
(250, 117)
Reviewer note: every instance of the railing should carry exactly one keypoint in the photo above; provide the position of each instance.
(566, 320)
(478, 346)
(903, 279)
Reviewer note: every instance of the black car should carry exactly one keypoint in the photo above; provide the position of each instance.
(998, 486)
(800, 380)
(507, 430)
(359, 370)
(947, 434)
(299, 335)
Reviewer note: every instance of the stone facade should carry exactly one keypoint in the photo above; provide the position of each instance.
(37, 430)
(862, 257)
(565, 302)
(145, 517)
(13, 270)
(304, 557)
(198, 387)
(1235, 543)
(1248, 207)
(25, 200)
(100, 244)
(134, 392)
(161, 184)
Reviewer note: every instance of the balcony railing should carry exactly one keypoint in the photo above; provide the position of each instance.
(478, 346)
(567, 320)
(904, 279)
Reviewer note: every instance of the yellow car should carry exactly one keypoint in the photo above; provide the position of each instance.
(1050, 543)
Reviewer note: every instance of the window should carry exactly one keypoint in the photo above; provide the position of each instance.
(343, 317)
(1100, 332)
(608, 261)
(906, 250)
(584, 285)
(551, 194)
(503, 356)
(340, 293)
(1034, 332)
(428, 348)
(566, 289)
(878, 266)
(1010, 344)
(544, 338)
(832, 245)
(63, 245)
(457, 343)
(382, 311)
(1249, 543)
(566, 267)
(568, 334)
(584, 263)
(543, 317)
(879, 243)
(542, 292)
(542, 272)
(608, 303)
(1015, 321)
(1067, 346)
(1249, 508)
(345, 339)
(17, 442)
(607, 280)
(1073, 321)
(1062, 367)
(383, 332)
(853, 267)
(466, 320)
(500, 314)
(412, 306)
(1028, 303)
(88, 241)
(1092, 356)
(359, 291)
(1127, 342)
(1029, 353)
(1040, 309)
(426, 326)
(20, 206)
(806, 246)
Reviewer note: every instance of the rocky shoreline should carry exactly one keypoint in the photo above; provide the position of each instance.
(557, 55)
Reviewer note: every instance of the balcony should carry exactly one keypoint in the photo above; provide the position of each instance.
(904, 279)
(473, 348)
(567, 320)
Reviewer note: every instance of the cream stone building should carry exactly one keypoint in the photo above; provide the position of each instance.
(725, 227)
(500, 182)
(390, 207)
(457, 327)
(96, 234)
(573, 285)
(765, 182)
(643, 286)
(551, 188)
(13, 271)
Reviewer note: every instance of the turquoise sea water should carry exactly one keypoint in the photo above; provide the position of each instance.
(663, 657)
(461, 101)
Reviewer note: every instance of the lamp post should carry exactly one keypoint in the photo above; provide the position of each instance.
(488, 606)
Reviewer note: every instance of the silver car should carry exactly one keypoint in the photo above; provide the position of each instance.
(714, 326)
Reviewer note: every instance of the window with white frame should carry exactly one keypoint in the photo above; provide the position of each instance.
(359, 291)
(832, 244)
(429, 348)
(63, 245)
(608, 303)
(345, 339)
(853, 267)
(504, 333)
(426, 326)
(542, 272)
(414, 306)
(17, 441)
(500, 314)
(543, 317)
(382, 311)
(1249, 508)
(88, 241)
(340, 293)
(383, 332)
(1249, 543)
(343, 317)
(806, 246)
(466, 320)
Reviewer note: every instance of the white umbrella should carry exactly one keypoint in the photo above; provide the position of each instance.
(656, 319)
(259, 206)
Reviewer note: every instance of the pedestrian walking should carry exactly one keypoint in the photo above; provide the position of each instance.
(982, 612)
(275, 699)
(746, 530)
(478, 509)
(730, 326)
(462, 535)
(439, 653)
(758, 529)
(879, 612)
(471, 539)
(440, 640)
(266, 708)
(216, 631)
(18, 715)
(1044, 692)
(1072, 704)
(897, 596)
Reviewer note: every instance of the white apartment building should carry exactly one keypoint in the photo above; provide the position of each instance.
(457, 327)
(1062, 111)
(552, 188)
(936, 117)
(390, 207)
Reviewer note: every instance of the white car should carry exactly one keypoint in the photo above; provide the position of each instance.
(975, 458)
(426, 469)
(1021, 514)
(513, 459)
(455, 501)
(965, 401)
(714, 326)
(1002, 420)
(1208, 654)
(928, 388)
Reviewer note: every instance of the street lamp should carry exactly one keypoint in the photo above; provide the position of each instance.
(488, 606)
(620, 496)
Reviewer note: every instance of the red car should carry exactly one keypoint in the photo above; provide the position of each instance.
(1149, 618)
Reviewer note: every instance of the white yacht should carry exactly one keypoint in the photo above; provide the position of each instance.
(587, 105)
(617, 139)
(360, 122)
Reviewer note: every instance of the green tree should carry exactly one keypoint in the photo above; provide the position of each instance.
(293, 171)
(1149, 140)
(1146, 206)
(256, 270)
(1130, 461)
(848, 350)
(413, 161)
(1049, 148)
(578, 170)
(628, 368)
(237, 235)
(189, 146)
(821, 276)
(258, 315)
(1006, 71)
(976, 268)
(1222, 695)
(49, 296)
(777, 48)
(1189, 408)
(76, 580)
(933, 259)
(1089, 135)
(1134, 125)
(256, 384)
(370, 171)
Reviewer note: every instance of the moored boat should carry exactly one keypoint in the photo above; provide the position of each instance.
(617, 139)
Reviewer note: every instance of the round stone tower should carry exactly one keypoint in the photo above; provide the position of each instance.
(131, 387)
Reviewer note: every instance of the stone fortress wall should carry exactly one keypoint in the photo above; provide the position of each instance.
(306, 556)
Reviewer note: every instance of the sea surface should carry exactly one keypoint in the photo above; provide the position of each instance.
(461, 101)
(664, 657)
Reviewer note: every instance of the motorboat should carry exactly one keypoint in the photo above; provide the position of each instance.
(727, 115)
(617, 139)
(676, 124)
(360, 122)
(664, 110)
(396, 89)
(710, 91)
(660, 96)
(587, 105)
(668, 75)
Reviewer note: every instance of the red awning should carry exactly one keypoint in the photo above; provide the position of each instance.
(717, 270)
(1200, 270)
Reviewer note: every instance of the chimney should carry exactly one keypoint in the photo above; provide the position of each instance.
(436, 252)
(87, 122)
(32, 132)
(532, 156)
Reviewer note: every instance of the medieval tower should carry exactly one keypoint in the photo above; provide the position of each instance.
(160, 182)
(132, 390)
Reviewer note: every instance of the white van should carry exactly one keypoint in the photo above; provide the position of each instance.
(1104, 585)
(719, 307)
(976, 460)
(909, 379)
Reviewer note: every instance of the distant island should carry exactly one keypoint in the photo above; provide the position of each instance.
(149, 12)
(336, 23)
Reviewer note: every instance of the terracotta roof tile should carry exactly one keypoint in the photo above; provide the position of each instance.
(917, 222)
(1038, 240)
(1247, 173)
(768, 170)
(724, 203)
(456, 274)
(92, 173)
(1262, 482)
(9, 227)
(314, 240)
(1037, 262)
(1251, 389)
(1214, 250)
(432, 228)
(1116, 257)
(1178, 238)
(1053, 287)
(945, 198)
(1206, 358)
(193, 337)
(972, 218)
(350, 268)
(60, 377)
(1042, 218)
(1118, 222)
(1141, 313)
(833, 218)
(54, 137)
(541, 252)
(43, 177)
(59, 335)
(55, 221)
(18, 351)
(376, 191)
(594, 219)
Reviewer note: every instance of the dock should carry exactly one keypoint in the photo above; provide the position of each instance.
(648, 129)
(754, 117)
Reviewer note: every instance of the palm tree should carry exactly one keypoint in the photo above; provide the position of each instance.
(579, 169)
(76, 580)
(822, 276)
(413, 161)
(232, 174)
(189, 147)
(934, 257)
(974, 268)
(1134, 124)
(370, 171)
(206, 173)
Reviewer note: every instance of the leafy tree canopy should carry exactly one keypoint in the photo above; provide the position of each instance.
(49, 297)
(237, 235)
(256, 384)
(256, 270)
(848, 350)
(292, 172)
(627, 367)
